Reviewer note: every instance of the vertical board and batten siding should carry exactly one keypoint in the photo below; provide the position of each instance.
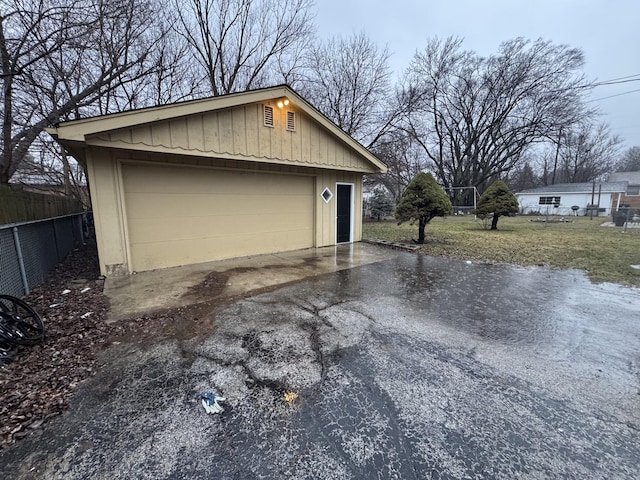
(108, 172)
(326, 212)
(134, 173)
(195, 132)
(105, 180)
(240, 132)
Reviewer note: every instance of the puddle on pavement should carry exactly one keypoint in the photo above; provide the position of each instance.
(528, 306)
(503, 303)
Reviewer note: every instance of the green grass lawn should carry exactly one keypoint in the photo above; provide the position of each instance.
(605, 253)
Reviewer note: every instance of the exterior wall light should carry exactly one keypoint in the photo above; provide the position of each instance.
(283, 103)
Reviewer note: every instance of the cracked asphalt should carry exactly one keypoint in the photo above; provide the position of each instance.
(411, 368)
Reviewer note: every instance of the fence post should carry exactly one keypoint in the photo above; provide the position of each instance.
(55, 239)
(23, 272)
(78, 227)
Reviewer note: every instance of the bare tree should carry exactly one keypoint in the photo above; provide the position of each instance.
(348, 80)
(522, 177)
(169, 73)
(404, 159)
(587, 153)
(475, 117)
(47, 164)
(629, 160)
(60, 59)
(245, 44)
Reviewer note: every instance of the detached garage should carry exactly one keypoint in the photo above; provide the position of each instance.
(241, 174)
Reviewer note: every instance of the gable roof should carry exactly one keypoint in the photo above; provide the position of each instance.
(606, 187)
(74, 135)
(633, 178)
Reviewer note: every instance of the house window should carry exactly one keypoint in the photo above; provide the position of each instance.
(633, 190)
(326, 195)
(268, 116)
(291, 121)
(549, 201)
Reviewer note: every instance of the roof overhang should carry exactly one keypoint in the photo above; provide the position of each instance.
(76, 135)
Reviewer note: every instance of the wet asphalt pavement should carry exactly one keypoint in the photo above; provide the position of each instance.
(411, 368)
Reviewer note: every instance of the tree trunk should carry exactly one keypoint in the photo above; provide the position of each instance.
(6, 68)
(494, 222)
(66, 171)
(6, 161)
(421, 226)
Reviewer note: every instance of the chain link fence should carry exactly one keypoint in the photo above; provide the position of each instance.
(29, 250)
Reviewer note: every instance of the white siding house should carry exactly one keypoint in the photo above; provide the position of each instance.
(559, 199)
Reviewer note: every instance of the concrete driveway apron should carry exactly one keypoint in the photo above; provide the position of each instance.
(413, 367)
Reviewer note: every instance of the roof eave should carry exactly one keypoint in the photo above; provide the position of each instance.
(74, 132)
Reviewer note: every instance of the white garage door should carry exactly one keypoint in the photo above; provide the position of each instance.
(182, 215)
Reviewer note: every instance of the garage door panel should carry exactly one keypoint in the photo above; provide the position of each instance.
(142, 205)
(148, 231)
(178, 216)
(170, 180)
(206, 249)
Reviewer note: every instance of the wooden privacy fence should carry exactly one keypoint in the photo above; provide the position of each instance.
(19, 205)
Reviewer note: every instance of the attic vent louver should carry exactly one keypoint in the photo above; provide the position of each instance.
(268, 116)
(291, 121)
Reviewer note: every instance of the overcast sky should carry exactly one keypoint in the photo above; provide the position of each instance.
(607, 31)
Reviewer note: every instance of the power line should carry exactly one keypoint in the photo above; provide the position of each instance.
(612, 96)
(615, 82)
(622, 78)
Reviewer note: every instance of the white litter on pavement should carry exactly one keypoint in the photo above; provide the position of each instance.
(211, 403)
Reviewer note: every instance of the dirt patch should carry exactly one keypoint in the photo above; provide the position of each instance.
(215, 282)
(182, 323)
(213, 285)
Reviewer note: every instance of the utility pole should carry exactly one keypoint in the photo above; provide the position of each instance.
(593, 194)
(555, 162)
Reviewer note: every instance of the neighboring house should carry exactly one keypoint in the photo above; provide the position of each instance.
(241, 174)
(631, 196)
(567, 195)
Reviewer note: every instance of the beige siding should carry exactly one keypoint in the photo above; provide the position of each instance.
(202, 180)
(196, 132)
(104, 179)
(172, 192)
(181, 215)
(240, 133)
(326, 212)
